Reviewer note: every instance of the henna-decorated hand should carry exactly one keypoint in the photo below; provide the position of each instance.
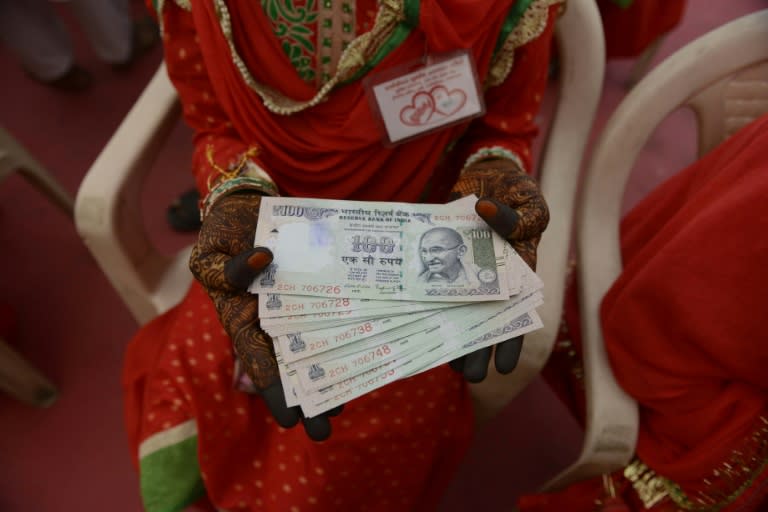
(511, 203)
(225, 262)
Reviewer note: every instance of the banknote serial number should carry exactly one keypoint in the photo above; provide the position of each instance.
(318, 345)
(371, 356)
(384, 376)
(321, 288)
(359, 380)
(338, 371)
(360, 361)
(327, 307)
(331, 304)
(357, 330)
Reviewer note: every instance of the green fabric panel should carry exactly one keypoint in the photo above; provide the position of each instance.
(170, 478)
(411, 11)
(623, 3)
(513, 18)
(398, 36)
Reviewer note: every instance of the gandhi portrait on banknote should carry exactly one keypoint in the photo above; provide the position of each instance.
(442, 250)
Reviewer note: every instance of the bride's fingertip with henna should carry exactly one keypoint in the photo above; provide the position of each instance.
(260, 259)
(486, 208)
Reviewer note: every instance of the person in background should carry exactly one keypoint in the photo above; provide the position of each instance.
(634, 29)
(274, 91)
(34, 32)
(683, 328)
(633, 26)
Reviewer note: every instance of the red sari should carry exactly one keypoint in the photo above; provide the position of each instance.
(192, 434)
(334, 149)
(684, 332)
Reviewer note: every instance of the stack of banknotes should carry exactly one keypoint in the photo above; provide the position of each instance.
(361, 294)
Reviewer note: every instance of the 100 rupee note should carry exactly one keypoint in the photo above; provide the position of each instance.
(378, 250)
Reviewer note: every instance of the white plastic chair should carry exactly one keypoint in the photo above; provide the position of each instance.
(108, 207)
(581, 49)
(723, 77)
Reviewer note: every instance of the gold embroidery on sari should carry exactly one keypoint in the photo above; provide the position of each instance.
(358, 52)
(530, 26)
(355, 52)
(650, 488)
(726, 483)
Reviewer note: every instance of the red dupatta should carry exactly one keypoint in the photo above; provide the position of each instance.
(334, 149)
(684, 329)
(684, 324)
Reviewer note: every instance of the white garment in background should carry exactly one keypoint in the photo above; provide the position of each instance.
(33, 31)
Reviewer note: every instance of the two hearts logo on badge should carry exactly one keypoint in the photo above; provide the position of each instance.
(433, 106)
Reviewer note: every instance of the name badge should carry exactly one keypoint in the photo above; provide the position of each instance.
(425, 96)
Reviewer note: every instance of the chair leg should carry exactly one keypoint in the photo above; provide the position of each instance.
(15, 158)
(50, 187)
(23, 382)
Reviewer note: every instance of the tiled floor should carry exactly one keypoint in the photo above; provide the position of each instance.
(72, 325)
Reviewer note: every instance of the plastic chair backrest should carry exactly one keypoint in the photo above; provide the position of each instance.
(723, 76)
(581, 50)
(108, 207)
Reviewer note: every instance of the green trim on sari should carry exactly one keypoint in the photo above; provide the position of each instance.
(399, 34)
(411, 10)
(170, 477)
(623, 3)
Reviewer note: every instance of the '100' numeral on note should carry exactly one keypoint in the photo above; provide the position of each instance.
(370, 244)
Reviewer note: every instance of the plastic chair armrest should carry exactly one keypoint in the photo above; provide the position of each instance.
(582, 47)
(107, 208)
